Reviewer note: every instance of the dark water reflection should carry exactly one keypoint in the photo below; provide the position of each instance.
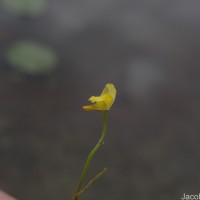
(150, 51)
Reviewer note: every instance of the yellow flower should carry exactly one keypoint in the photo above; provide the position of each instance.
(104, 101)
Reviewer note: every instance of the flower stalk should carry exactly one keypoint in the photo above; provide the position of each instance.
(89, 159)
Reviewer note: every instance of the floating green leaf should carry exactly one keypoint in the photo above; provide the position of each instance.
(25, 7)
(31, 58)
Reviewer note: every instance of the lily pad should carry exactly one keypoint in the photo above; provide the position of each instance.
(25, 7)
(31, 58)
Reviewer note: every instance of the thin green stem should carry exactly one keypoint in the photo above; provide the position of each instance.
(98, 175)
(92, 154)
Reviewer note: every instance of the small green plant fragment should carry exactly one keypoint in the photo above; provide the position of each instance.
(31, 58)
(25, 7)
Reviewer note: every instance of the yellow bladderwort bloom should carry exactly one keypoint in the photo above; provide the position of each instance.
(100, 103)
(104, 101)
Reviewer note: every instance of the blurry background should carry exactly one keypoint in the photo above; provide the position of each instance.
(55, 54)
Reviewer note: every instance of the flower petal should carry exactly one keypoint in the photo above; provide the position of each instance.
(108, 99)
(101, 105)
(94, 99)
(109, 89)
